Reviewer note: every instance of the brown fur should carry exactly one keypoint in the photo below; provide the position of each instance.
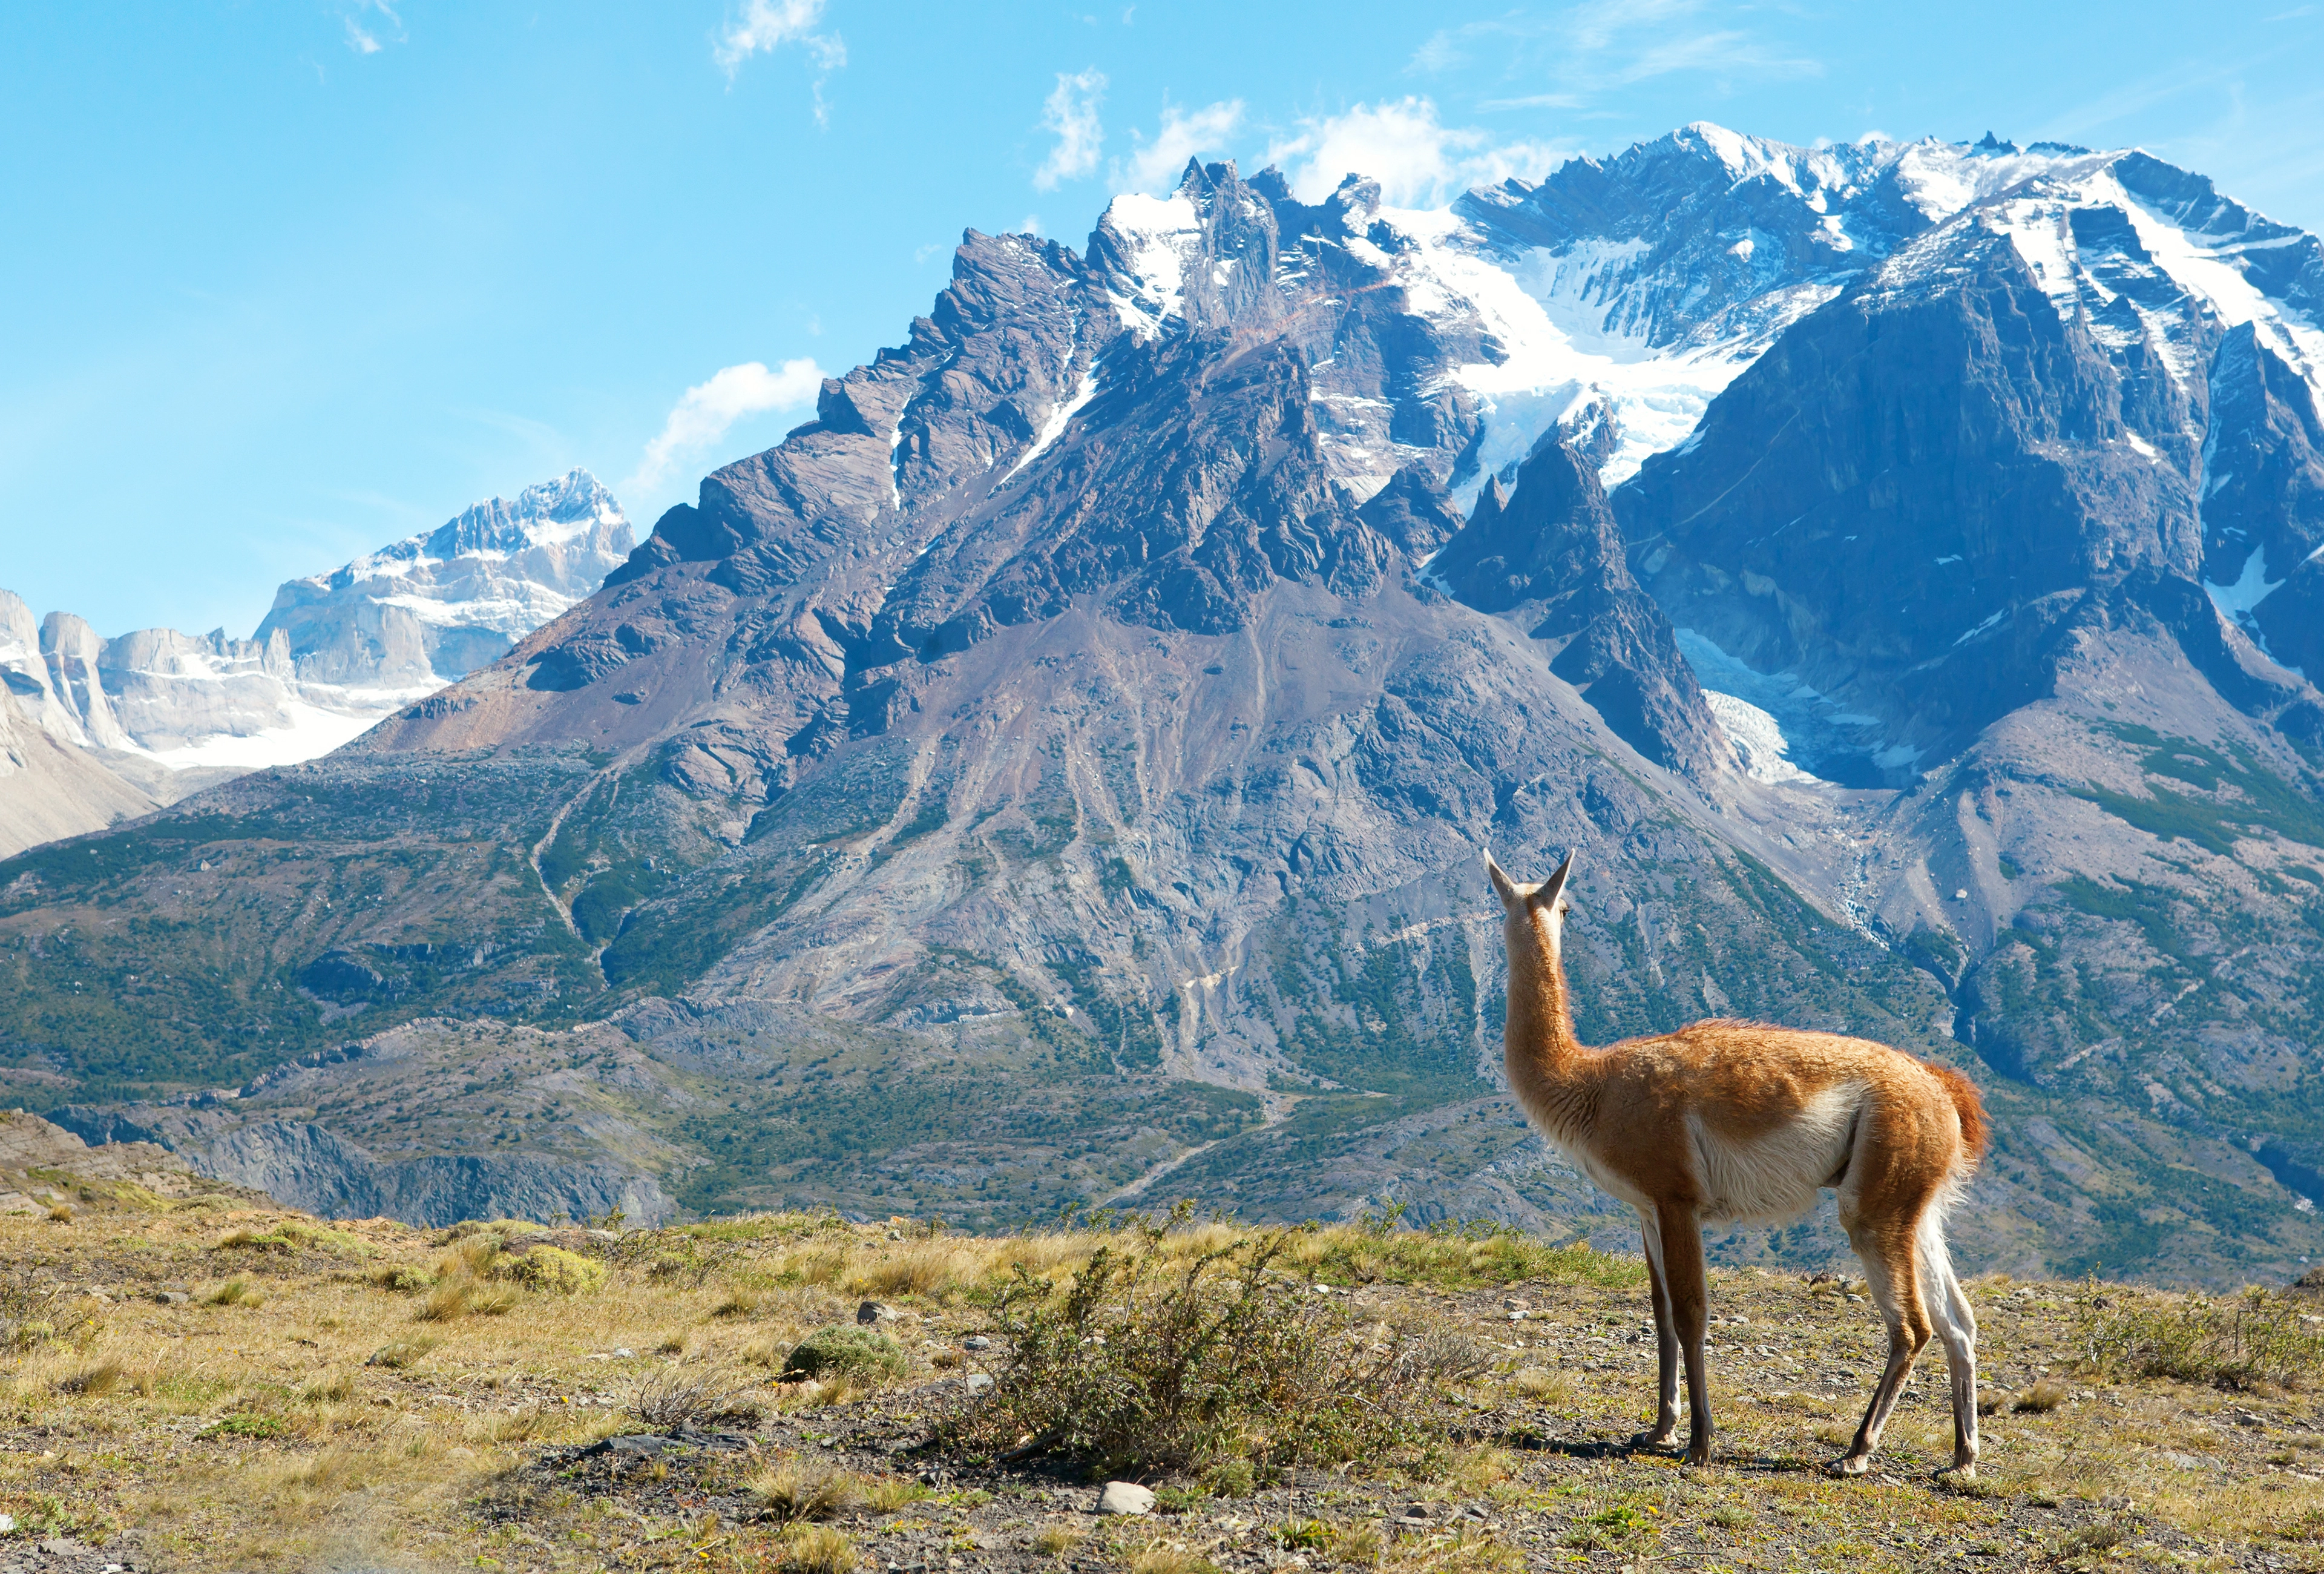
(1969, 1107)
(1733, 1120)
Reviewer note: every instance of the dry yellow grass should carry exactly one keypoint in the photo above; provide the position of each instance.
(294, 1407)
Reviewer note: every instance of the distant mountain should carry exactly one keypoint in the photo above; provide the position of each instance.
(1057, 772)
(166, 713)
(434, 608)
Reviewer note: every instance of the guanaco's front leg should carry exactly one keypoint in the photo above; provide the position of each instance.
(1685, 1281)
(1666, 1425)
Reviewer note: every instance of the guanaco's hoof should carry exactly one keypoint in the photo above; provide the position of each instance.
(1699, 1456)
(1961, 1474)
(1651, 1439)
(1850, 1465)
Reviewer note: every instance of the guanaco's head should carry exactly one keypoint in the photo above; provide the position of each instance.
(1532, 910)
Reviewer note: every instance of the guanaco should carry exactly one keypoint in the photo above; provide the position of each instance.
(1727, 1121)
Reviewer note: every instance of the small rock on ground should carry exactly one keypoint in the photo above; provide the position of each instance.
(1125, 1497)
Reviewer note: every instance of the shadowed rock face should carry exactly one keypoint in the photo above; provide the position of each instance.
(1549, 556)
(2264, 503)
(1905, 499)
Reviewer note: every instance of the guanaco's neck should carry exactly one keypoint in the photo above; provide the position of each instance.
(1544, 1057)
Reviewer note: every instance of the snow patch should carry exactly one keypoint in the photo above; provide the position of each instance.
(1159, 236)
(1760, 747)
(1059, 418)
(2238, 602)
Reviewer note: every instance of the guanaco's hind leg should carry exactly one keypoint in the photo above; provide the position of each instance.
(1684, 1282)
(1891, 1273)
(1957, 1328)
(1666, 1425)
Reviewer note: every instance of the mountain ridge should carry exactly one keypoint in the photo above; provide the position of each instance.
(1109, 691)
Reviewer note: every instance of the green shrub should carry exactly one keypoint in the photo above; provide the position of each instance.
(400, 1278)
(555, 1271)
(1138, 1365)
(2256, 1339)
(838, 1349)
(295, 1235)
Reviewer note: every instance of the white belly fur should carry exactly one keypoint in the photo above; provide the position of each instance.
(1774, 1179)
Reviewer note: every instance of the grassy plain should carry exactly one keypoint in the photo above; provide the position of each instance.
(216, 1387)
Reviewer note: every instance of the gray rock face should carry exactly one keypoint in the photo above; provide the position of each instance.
(163, 714)
(310, 1167)
(49, 789)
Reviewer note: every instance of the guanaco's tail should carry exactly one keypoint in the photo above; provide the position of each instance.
(1967, 1105)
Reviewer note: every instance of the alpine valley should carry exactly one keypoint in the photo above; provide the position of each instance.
(1056, 774)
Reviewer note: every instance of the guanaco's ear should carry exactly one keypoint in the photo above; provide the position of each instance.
(1503, 886)
(1553, 888)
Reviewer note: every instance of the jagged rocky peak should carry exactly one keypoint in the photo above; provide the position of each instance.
(1548, 555)
(438, 605)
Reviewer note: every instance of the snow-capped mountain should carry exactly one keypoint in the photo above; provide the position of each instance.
(1096, 711)
(2099, 379)
(435, 607)
(172, 712)
(1648, 280)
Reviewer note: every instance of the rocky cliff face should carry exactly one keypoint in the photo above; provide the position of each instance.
(1057, 771)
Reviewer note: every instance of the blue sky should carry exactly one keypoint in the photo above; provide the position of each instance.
(284, 279)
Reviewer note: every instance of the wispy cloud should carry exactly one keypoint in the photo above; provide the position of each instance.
(710, 409)
(372, 25)
(1572, 57)
(1071, 115)
(1416, 160)
(1157, 164)
(767, 25)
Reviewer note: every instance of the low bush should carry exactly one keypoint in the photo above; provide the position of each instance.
(1142, 1363)
(401, 1278)
(554, 1271)
(333, 1390)
(670, 1400)
(295, 1235)
(463, 1295)
(402, 1353)
(2257, 1339)
(813, 1549)
(790, 1492)
(839, 1350)
(2040, 1398)
(233, 1292)
(92, 1381)
(32, 1313)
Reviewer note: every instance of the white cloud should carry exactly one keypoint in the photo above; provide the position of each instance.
(1071, 111)
(1157, 165)
(767, 25)
(710, 409)
(1571, 58)
(366, 40)
(1417, 162)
